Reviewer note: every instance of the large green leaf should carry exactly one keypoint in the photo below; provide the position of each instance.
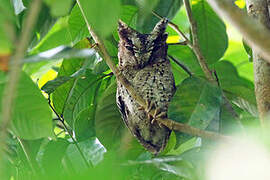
(59, 96)
(84, 125)
(196, 103)
(109, 125)
(7, 22)
(102, 15)
(31, 115)
(92, 150)
(52, 85)
(81, 96)
(52, 154)
(233, 84)
(185, 55)
(59, 7)
(58, 35)
(146, 21)
(77, 26)
(211, 30)
(237, 55)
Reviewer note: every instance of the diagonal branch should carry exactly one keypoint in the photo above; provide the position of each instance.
(14, 73)
(254, 32)
(166, 122)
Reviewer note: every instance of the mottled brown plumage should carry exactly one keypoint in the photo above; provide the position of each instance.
(143, 61)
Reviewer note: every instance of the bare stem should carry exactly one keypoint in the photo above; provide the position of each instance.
(61, 119)
(120, 78)
(15, 69)
(195, 46)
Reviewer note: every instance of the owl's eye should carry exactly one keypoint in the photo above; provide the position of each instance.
(130, 48)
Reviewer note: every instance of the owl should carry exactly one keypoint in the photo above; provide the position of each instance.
(143, 61)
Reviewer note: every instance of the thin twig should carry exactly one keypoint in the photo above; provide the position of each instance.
(185, 68)
(120, 78)
(175, 28)
(15, 69)
(27, 152)
(196, 46)
(61, 119)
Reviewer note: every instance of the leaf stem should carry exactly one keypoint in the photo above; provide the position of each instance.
(61, 119)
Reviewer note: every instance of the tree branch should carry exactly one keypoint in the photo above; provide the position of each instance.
(259, 10)
(195, 46)
(256, 34)
(14, 73)
(166, 122)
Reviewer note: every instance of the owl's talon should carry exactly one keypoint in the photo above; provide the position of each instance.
(158, 114)
(149, 106)
(141, 108)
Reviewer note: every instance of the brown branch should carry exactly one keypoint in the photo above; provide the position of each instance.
(15, 69)
(195, 46)
(167, 122)
(259, 10)
(254, 32)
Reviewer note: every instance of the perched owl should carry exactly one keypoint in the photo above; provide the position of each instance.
(143, 61)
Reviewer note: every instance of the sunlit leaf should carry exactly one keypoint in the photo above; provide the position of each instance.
(95, 12)
(59, 7)
(212, 34)
(51, 86)
(32, 117)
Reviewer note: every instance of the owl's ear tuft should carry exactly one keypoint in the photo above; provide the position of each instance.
(124, 31)
(160, 28)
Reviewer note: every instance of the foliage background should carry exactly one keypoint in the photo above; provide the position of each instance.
(84, 136)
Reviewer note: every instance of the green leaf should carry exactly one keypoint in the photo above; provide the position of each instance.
(59, 7)
(109, 125)
(128, 14)
(60, 53)
(58, 35)
(248, 51)
(31, 115)
(146, 21)
(77, 26)
(7, 26)
(237, 55)
(18, 6)
(52, 155)
(102, 15)
(233, 84)
(59, 96)
(51, 86)
(84, 125)
(92, 150)
(196, 102)
(211, 30)
(81, 96)
(186, 56)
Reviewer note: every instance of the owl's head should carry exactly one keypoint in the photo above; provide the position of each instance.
(136, 49)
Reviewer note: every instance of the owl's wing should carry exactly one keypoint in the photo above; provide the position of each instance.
(122, 107)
